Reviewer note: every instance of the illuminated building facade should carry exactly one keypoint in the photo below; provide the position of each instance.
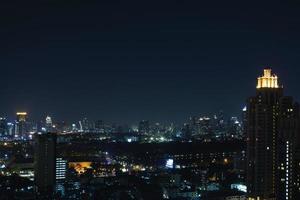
(61, 170)
(21, 124)
(288, 145)
(268, 80)
(48, 124)
(10, 129)
(272, 127)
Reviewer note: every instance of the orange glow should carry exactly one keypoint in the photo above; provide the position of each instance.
(80, 167)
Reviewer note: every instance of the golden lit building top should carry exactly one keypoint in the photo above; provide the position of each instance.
(21, 116)
(268, 80)
(21, 113)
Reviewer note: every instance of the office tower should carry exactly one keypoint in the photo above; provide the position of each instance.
(99, 126)
(287, 146)
(297, 172)
(85, 125)
(234, 127)
(3, 127)
(60, 176)
(48, 124)
(205, 127)
(195, 125)
(21, 125)
(10, 129)
(219, 125)
(186, 131)
(244, 121)
(144, 127)
(61, 167)
(45, 163)
(272, 127)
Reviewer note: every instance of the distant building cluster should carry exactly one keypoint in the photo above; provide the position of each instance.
(205, 128)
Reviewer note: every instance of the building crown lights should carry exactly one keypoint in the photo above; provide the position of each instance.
(21, 113)
(268, 80)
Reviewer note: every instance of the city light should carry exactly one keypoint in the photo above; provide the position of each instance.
(149, 100)
(170, 163)
(267, 80)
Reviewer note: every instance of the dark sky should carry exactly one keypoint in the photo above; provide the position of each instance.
(123, 61)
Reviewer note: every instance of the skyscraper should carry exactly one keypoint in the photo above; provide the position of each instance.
(99, 126)
(3, 127)
(45, 163)
(85, 125)
(144, 127)
(61, 170)
(10, 129)
(21, 126)
(48, 123)
(272, 127)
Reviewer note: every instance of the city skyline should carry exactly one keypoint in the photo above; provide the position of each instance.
(125, 62)
(255, 158)
(150, 100)
(211, 113)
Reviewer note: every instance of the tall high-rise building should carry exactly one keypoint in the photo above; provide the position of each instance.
(234, 127)
(272, 127)
(3, 127)
(85, 125)
(21, 125)
(45, 163)
(144, 127)
(244, 121)
(61, 170)
(48, 123)
(99, 126)
(10, 129)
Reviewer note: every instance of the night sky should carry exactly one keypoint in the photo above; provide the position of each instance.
(124, 61)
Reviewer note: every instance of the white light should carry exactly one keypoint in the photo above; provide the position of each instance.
(129, 140)
(239, 187)
(170, 163)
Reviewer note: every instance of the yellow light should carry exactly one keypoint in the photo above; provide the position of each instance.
(267, 80)
(21, 113)
(80, 167)
(226, 161)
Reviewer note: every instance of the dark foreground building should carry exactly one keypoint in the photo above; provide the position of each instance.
(44, 164)
(273, 122)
